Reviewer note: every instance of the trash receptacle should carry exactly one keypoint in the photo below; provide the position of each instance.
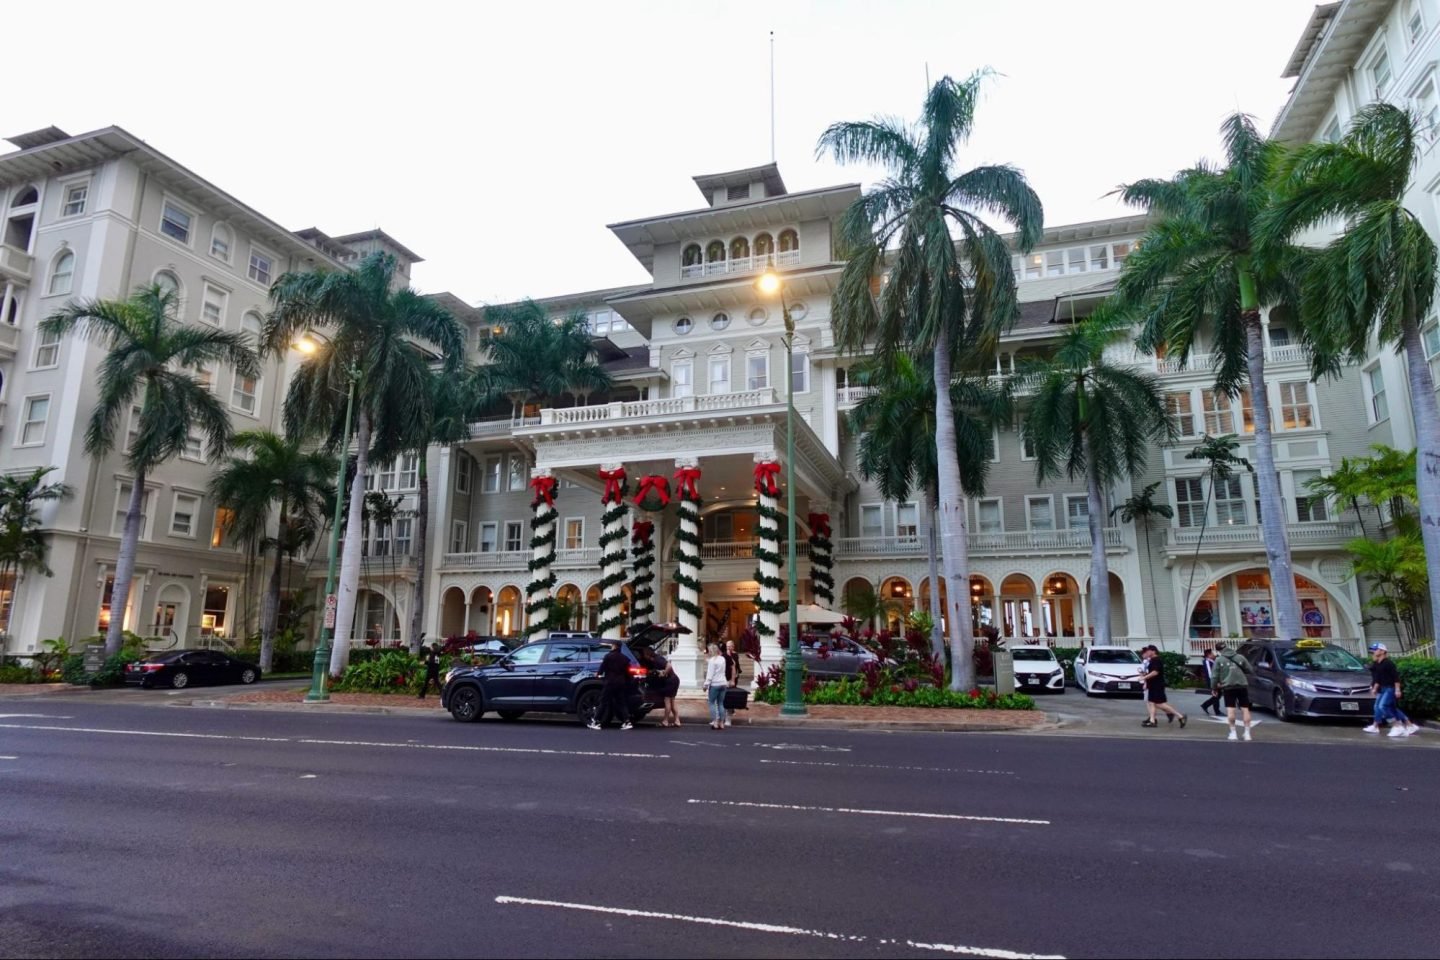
(1004, 672)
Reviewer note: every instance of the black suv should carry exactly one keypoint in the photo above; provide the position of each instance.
(558, 675)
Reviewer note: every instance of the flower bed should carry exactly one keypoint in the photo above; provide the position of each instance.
(886, 687)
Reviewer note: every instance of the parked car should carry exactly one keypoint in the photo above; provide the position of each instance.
(1308, 678)
(183, 668)
(491, 646)
(1037, 669)
(827, 656)
(556, 675)
(1105, 670)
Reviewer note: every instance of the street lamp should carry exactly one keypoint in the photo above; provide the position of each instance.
(320, 670)
(770, 283)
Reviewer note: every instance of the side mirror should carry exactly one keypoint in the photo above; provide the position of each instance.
(507, 664)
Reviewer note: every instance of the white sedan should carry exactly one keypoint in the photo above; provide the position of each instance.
(1037, 670)
(1100, 670)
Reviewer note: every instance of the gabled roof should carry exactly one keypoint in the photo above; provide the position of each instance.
(1328, 59)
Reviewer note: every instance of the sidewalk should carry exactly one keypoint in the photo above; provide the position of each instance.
(692, 711)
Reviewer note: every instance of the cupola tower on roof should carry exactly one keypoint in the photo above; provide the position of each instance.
(741, 186)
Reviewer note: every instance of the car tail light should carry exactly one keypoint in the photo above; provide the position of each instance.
(149, 667)
(639, 672)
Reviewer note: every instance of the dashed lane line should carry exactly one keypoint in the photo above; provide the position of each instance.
(780, 929)
(1018, 821)
(887, 766)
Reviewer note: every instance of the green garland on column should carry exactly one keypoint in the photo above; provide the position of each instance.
(765, 555)
(822, 559)
(689, 508)
(538, 595)
(612, 548)
(642, 538)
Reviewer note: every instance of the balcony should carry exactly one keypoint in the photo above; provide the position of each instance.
(15, 264)
(518, 559)
(1324, 533)
(718, 268)
(9, 339)
(1287, 353)
(737, 549)
(849, 396)
(1006, 543)
(664, 407)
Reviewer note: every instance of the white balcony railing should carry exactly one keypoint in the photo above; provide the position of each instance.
(737, 549)
(716, 268)
(1325, 531)
(1002, 543)
(664, 407)
(15, 263)
(849, 396)
(1287, 353)
(9, 338)
(518, 559)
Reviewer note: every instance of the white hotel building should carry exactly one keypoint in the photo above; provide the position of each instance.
(698, 362)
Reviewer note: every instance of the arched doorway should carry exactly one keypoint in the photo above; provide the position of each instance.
(572, 614)
(982, 605)
(172, 613)
(1240, 604)
(857, 595)
(509, 613)
(1017, 606)
(1060, 607)
(452, 612)
(591, 611)
(899, 598)
(482, 602)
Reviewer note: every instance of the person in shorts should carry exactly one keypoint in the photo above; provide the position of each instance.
(1231, 679)
(1153, 676)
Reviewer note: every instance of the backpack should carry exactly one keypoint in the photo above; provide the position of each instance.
(1231, 670)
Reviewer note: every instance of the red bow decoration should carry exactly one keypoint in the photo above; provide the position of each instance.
(544, 488)
(614, 485)
(642, 531)
(656, 484)
(685, 479)
(820, 524)
(765, 473)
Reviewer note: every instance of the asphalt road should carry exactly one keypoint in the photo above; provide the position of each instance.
(169, 832)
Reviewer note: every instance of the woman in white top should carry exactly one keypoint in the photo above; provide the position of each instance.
(716, 683)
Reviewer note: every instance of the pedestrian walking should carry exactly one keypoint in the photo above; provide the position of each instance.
(716, 683)
(614, 689)
(1385, 684)
(1212, 704)
(732, 675)
(1153, 676)
(1232, 681)
(669, 690)
(432, 670)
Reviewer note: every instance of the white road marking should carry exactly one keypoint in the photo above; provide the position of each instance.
(873, 813)
(1238, 722)
(687, 743)
(476, 749)
(885, 766)
(9, 758)
(813, 747)
(33, 716)
(341, 743)
(307, 776)
(778, 928)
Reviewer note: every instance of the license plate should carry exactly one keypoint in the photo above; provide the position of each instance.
(1032, 681)
(1125, 686)
(1349, 705)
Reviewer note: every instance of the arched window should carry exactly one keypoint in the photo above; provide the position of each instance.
(62, 272)
(691, 257)
(169, 283)
(25, 198)
(789, 241)
(720, 321)
(222, 241)
(684, 325)
(739, 248)
(764, 245)
(715, 252)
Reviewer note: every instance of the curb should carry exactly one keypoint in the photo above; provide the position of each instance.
(870, 726)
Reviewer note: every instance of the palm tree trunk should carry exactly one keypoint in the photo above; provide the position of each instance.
(955, 546)
(350, 560)
(1427, 443)
(125, 566)
(1272, 507)
(422, 517)
(1099, 569)
(270, 606)
(937, 638)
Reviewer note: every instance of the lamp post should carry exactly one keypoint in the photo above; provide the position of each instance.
(794, 706)
(320, 671)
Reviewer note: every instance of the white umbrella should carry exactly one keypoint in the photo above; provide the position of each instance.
(811, 613)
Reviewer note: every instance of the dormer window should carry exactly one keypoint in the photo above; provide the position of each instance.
(789, 241)
(741, 192)
(691, 256)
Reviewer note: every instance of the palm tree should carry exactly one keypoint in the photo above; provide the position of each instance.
(1221, 462)
(895, 423)
(534, 358)
(449, 404)
(950, 290)
(152, 356)
(273, 472)
(1089, 418)
(383, 337)
(23, 546)
(1377, 277)
(865, 605)
(1142, 509)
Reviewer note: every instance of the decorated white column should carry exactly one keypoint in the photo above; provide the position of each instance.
(687, 658)
(614, 523)
(539, 591)
(652, 493)
(822, 560)
(767, 569)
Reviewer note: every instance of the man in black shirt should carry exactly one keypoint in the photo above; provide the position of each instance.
(432, 670)
(1385, 684)
(614, 689)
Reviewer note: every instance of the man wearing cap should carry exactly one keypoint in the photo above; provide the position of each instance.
(1385, 684)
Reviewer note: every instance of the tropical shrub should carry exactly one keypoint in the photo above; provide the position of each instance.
(879, 686)
(15, 673)
(1420, 686)
(388, 671)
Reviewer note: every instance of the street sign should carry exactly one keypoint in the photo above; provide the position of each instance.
(330, 611)
(94, 657)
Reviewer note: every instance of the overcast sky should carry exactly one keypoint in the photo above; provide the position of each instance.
(497, 139)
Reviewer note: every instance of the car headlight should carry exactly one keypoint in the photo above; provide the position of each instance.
(1056, 673)
(450, 674)
(1295, 683)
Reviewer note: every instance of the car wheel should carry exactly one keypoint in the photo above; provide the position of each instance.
(587, 706)
(511, 714)
(180, 680)
(1281, 713)
(248, 675)
(465, 704)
